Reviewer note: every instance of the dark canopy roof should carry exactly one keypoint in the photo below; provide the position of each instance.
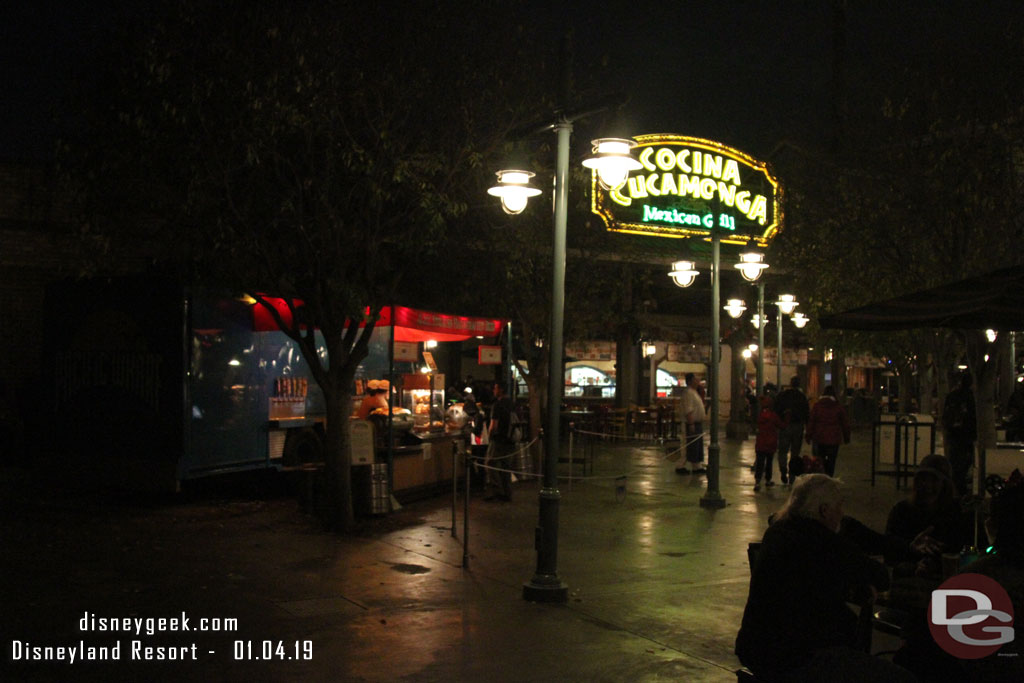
(994, 300)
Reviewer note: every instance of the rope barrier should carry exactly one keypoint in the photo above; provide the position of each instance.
(482, 462)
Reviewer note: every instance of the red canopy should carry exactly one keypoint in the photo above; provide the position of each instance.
(411, 325)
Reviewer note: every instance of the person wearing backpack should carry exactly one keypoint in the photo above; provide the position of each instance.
(960, 430)
(501, 448)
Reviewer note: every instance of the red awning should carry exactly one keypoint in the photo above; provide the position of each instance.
(411, 325)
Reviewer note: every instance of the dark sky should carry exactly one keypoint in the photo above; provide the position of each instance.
(747, 73)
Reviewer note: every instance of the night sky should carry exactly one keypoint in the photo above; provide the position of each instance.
(746, 73)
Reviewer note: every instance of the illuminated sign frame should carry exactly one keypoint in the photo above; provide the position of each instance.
(703, 186)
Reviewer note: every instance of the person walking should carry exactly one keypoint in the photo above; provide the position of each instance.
(960, 427)
(828, 426)
(501, 447)
(692, 411)
(791, 405)
(768, 425)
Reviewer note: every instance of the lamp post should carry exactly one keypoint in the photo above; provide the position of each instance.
(751, 265)
(760, 338)
(613, 164)
(787, 303)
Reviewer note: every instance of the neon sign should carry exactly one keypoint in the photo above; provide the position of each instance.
(689, 187)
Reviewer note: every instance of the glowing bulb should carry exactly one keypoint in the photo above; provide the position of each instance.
(514, 190)
(683, 273)
(990, 335)
(799, 319)
(612, 161)
(735, 307)
(787, 303)
(751, 264)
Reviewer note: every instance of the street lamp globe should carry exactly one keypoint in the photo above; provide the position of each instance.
(757, 321)
(787, 303)
(751, 264)
(514, 189)
(683, 273)
(735, 307)
(612, 161)
(799, 319)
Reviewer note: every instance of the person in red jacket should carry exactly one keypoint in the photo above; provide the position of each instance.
(768, 424)
(827, 428)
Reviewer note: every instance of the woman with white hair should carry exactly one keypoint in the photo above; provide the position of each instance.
(796, 624)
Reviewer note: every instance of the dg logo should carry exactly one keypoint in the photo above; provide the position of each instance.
(970, 616)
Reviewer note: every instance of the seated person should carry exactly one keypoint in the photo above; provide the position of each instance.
(933, 509)
(796, 624)
(1005, 564)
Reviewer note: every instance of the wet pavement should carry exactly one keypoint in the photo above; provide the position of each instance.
(657, 584)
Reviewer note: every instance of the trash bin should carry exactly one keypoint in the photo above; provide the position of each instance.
(372, 493)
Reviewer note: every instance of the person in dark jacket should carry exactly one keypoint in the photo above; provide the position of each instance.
(828, 427)
(796, 624)
(791, 405)
(501, 447)
(960, 430)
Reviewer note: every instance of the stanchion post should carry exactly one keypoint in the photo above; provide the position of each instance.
(572, 454)
(465, 513)
(455, 483)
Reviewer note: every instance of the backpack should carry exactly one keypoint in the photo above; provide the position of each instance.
(515, 426)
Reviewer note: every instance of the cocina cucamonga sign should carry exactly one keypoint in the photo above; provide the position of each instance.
(688, 187)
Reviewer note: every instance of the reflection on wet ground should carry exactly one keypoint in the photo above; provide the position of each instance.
(656, 583)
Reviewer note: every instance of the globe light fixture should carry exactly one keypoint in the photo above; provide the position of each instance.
(683, 273)
(735, 307)
(747, 354)
(757, 321)
(787, 303)
(650, 349)
(612, 161)
(514, 190)
(751, 264)
(799, 319)
(753, 348)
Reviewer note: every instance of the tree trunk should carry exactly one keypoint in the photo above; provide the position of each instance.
(926, 378)
(739, 412)
(839, 376)
(339, 513)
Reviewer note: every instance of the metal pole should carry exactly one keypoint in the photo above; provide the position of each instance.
(465, 513)
(510, 376)
(545, 586)
(760, 338)
(712, 497)
(455, 484)
(778, 361)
